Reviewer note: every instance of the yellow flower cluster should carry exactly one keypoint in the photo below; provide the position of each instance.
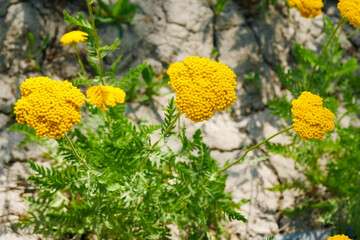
(73, 37)
(350, 9)
(50, 107)
(311, 120)
(202, 86)
(307, 8)
(339, 237)
(105, 95)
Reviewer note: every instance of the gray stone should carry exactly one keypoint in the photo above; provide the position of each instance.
(232, 16)
(21, 18)
(6, 97)
(238, 49)
(285, 168)
(221, 133)
(321, 234)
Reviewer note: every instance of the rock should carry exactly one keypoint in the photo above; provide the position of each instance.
(6, 97)
(285, 168)
(21, 18)
(275, 38)
(238, 49)
(195, 15)
(4, 142)
(232, 16)
(221, 133)
(309, 235)
(263, 204)
(308, 30)
(223, 157)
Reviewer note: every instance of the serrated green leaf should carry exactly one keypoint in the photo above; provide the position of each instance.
(114, 46)
(94, 66)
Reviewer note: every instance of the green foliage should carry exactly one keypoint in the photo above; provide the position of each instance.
(142, 84)
(280, 107)
(119, 12)
(214, 52)
(332, 163)
(117, 199)
(30, 134)
(85, 26)
(219, 6)
(80, 81)
(170, 115)
(31, 52)
(253, 78)
(269, 237)
(129, 188)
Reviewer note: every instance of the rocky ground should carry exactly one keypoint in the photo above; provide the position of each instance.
(165, 31)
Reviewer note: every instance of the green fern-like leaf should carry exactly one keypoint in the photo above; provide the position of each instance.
(170, 114)
(232, 214)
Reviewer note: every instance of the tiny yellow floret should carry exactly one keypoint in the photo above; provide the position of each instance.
(105, 95)
(311, 120)
(350, 9)
(339, 237)
(50, 107)
(73, 37)
(202, 86)
(307, 8)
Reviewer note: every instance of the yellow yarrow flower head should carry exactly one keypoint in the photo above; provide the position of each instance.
(339, 237)
(350, 9)
(50, 107)
(105, 95)
(307, 8)
(311, 120)
(73, 37)
(202, 86)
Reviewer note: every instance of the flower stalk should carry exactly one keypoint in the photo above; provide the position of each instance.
(241, 159)
(98, 50)
(75, 153)
(252, 148)
(79, 59)
(324, 50)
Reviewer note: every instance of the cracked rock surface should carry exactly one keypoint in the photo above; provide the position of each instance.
(165, 31)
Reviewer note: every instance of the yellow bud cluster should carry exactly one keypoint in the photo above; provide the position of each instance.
(73, 37)
(307, 8)
(202, 86)
(350, 9)
(339, 237)
(105, 95)
(50, 107)
(311, 120)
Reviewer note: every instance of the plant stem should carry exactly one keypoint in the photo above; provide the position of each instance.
(78, 56)
(75, 153)
(205, 179)
(168, 129)
(324, 50)
(252, 148)
(98, 50)
(165, 133)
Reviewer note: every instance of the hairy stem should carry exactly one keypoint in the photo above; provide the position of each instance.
(252, 148)
(75, 153)
(98, 50)
(324, 50)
